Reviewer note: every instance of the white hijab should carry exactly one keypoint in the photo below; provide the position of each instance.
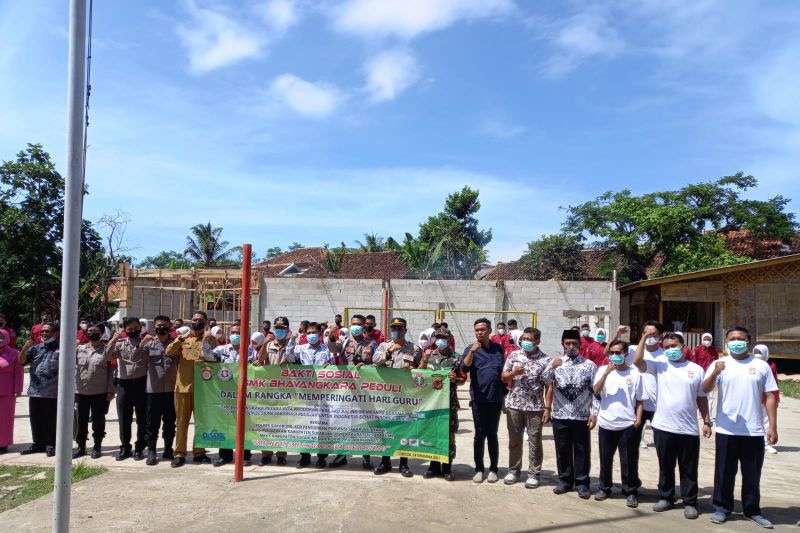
(763, 352)
(426, 338)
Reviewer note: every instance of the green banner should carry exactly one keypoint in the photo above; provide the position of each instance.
(343, 410)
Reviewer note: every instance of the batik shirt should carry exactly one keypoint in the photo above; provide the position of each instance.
(573, 390)
(527, 390)
(305, 354)
(228, 353)
(43, 358)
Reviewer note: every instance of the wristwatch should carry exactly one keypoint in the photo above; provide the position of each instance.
(708, 423)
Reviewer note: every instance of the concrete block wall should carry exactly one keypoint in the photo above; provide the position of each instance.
(147, 303)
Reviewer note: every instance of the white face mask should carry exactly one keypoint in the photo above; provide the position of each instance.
(707, 343)
(651, 341)
(501, 331)
(424, 344)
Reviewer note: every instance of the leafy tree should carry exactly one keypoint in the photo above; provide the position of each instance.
(418, 256)
(205, 247)
(295, 246)
(333, 257)
(168, 259)
(372, 243)
(708, 252)
(275, 251)
(554, 257)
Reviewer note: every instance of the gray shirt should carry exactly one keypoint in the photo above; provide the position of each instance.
(93, 373)
(162, 371)
(43, 359)
(131, 362)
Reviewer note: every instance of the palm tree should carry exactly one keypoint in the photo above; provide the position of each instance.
(372, 243)
(205, 247)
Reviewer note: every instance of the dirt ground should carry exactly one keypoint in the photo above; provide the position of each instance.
(132, 496)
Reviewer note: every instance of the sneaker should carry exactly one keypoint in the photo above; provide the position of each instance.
(632, 501)
(663, 505)
(760, 520)
(510, 479)
(719, 516)
(492, 477)
(600, 495)
(478, 477)
(583, 493)
(532, 483)
(690, 512)
(769, 449)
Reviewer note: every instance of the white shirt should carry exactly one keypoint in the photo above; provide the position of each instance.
(649, 385)
(618, 397)
(679, 386)
(741, 387)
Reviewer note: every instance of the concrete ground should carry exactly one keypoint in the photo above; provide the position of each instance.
(132, 496)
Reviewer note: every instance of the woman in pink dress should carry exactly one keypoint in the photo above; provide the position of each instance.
(10, 387)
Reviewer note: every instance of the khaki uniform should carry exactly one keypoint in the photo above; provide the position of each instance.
(189, 353)
(399, 359)
(274, 353)
(353, 351)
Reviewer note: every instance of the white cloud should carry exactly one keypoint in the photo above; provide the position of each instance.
(777, 87)
(313, 100)
(409, 18)
(390, 72)
(582, 36)
(214, 40)
(280, 15)
(498, 125)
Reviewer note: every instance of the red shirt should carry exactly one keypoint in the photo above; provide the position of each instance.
(504, 341)
(703, 356)
(593, 351)
(376, 335)
(82, 337)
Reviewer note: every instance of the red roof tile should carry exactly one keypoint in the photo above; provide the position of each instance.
(311, 263)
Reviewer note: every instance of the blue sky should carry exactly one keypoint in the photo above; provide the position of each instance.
(318, 121)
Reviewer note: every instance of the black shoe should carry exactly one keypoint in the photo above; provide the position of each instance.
(428, 474)
(601, 495)
(138, 455)
(32, 449)
(168, 454)
(178, 462)
(561, 489)
(321, 463)
(80, 451)
(152, 457)
(449, 476)
(265, 460)
(97, 452)
(201, 460)
(632, 501)
(221, 461)
(406, 472)
(49, 451)
(3, 449)
(281, 461)
(304, 462)
(124, 454)
(583, 493)
(341, 460)
(366, 464)
(247, 462)
(382, 468)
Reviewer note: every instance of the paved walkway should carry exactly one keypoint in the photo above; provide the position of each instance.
(133, 496)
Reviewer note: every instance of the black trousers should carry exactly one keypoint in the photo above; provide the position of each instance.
(132, 397)
(732, 452)
(486, 417)
(684, 450)
(646, 415)
(94, 406)
(440, 468)
(387, 459)
(160, 406)
(42, 413)
(573, 452)
(319, 456)
(625, 441)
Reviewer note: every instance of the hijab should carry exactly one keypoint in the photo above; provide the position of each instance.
(764, 355)
(7, 350)
(426, 337)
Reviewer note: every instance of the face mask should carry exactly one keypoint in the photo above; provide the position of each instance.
(198, 326)
(501, 331)
(651, 341)
(737, 347)
(673, 354)
(707, 343)
(356, 330)
(313, 338)
(94, 337)
(528, 346)
(600, 338)
(280, 334)
(162, 330)
(2, 342)
(397, 335)
(424, 344)
(616, 359)
(572, 353)
(584, 333)
(759, 355)
(369, 328)
(84, 326)
(235, 339)
(133, 334)
(442, 343)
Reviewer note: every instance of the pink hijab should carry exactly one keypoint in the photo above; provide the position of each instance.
(7, 350)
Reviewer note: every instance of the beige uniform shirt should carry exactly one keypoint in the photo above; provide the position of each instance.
(189, 352)
(93, 373)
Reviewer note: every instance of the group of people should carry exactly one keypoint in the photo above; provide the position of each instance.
(593, 382)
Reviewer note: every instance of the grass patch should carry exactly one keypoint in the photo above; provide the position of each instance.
(789, 388)
(21, 484)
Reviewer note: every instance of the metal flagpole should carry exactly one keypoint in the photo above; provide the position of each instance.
(73, 196)
(244, 344)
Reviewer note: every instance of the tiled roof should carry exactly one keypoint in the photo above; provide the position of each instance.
(505, 271)
(311, 263)
(741, 242)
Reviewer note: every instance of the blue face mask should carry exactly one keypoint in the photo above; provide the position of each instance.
(397, 334)
(235, 339)
(356, 330)
(616, 359)
(280, 334)
(600, 338)
(313, 338)
(442, 343)
(528, 346)
(673, 354)
(737, 347)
